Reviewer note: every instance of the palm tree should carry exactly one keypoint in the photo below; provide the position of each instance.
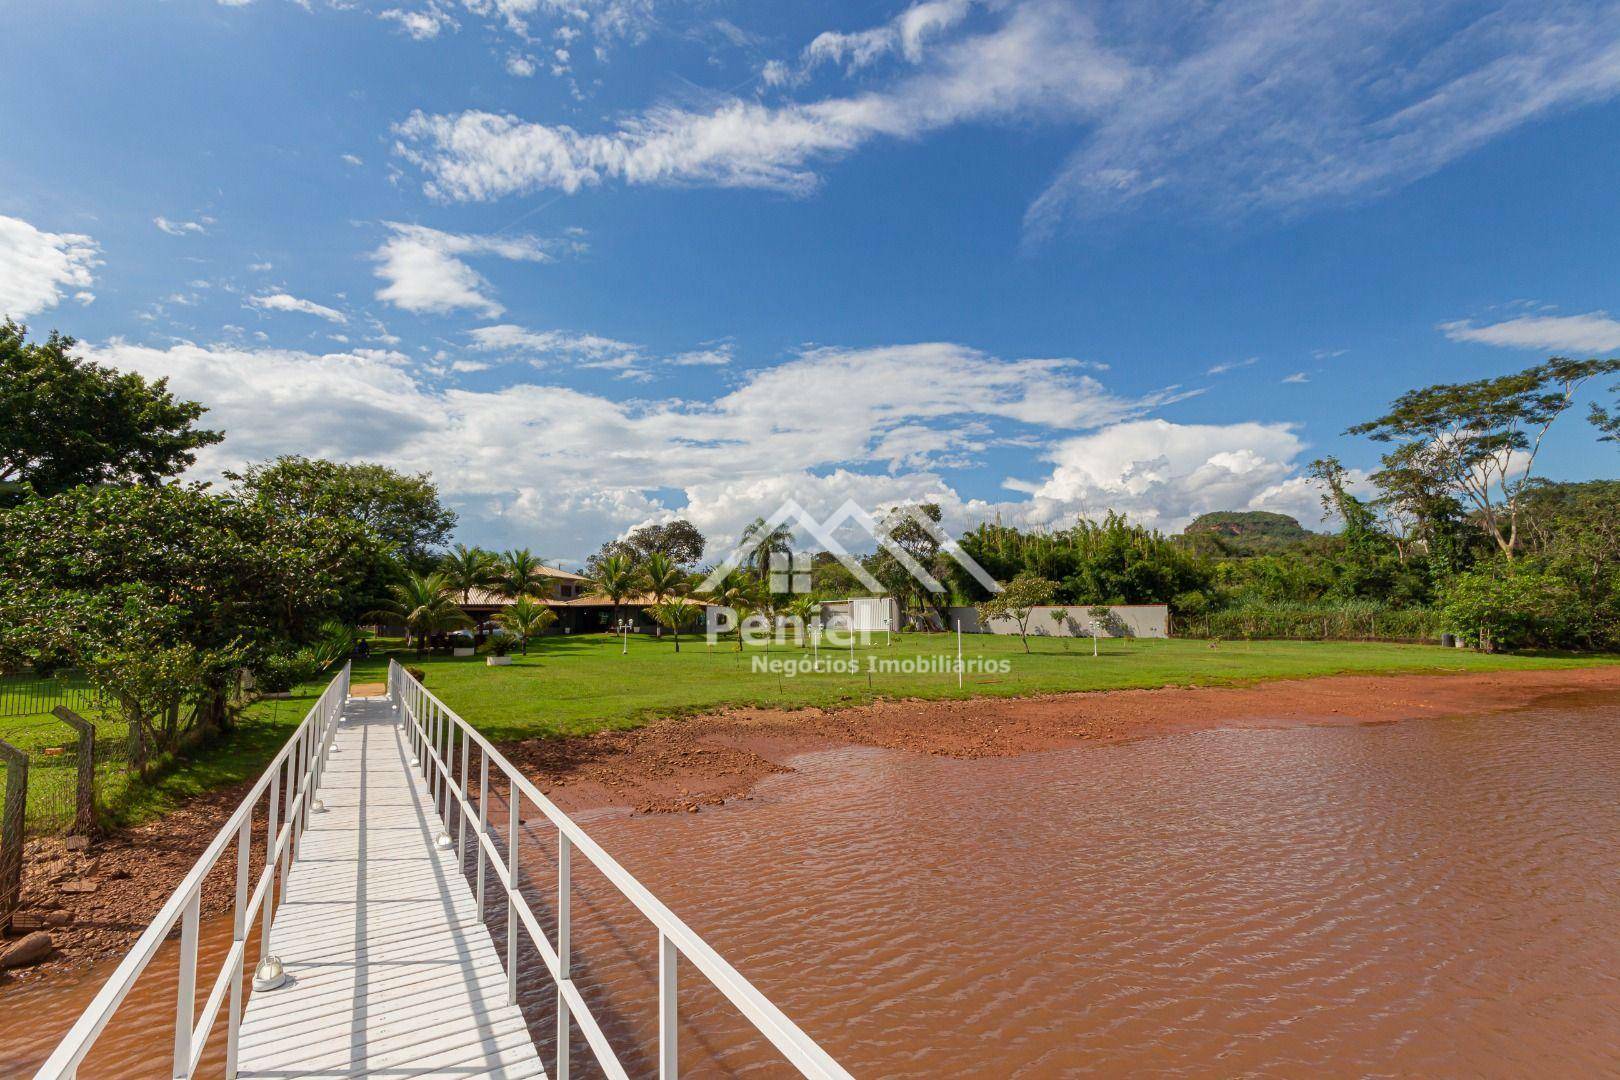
(616, 578)
(525, 619)
(423, 605)
(765, 541)
(518, 574)
(673, 614)
(466, 569)
(662, 576)
(803, 608)
(738, 593)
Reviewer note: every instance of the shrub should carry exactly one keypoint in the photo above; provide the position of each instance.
(417, 673)
(280, 672)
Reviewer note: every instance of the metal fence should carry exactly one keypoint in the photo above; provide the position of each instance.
(446, 746)
(36, 696)
(281, 799)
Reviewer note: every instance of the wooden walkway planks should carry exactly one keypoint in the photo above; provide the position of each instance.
(391, 973)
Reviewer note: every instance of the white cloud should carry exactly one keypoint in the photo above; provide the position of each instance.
(520, 66)
(183, 228)
(424, 270)
(280, 301)
(1282, 104)
(1231, 365)
(904, 34)
(1297, 377)
(423, 24)
(1041, 61)
(1594, 332)
(352, 159)
(561, 469)
(37, 267)
(715, 354)
(1218, 109)
(585, 350)
(1165, 474)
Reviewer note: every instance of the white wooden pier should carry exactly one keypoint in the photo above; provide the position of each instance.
(380, 838)
(390, 972)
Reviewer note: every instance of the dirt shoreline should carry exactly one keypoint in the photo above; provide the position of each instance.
(683, 765)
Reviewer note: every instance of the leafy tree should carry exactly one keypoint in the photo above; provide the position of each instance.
(1479, 440)
(467, 568)
(65, 421)
(616, 578)
(518, 574)
(1507, 605)
(98, 577)
(675, 613)
(402, 508)
(677, 540)
(803, 608)
(742, 594)
(424, 604)
(526, 619)
(922, 545)
(1017, 601)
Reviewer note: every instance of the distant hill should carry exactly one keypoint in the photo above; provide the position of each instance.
(1249, 532)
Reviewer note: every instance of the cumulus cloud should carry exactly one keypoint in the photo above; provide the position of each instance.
(1041, 60)
(1594, 332)
(37, 268)
(280, 301)
(561, 468)
(423, 24)
(425, 271)
(1165, 474)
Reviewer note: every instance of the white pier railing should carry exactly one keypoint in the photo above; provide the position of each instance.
(287, 790)
(444, 745)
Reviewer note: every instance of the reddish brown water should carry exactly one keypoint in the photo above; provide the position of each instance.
(1423, 898)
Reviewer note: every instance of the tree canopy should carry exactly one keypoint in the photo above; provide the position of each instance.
(65, 421)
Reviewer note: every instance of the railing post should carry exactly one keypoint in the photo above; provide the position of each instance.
(461, 809)
(185, 1003)
(244, 844)
(668, 1014)
(483, 825)
(565, 947)
(513, 798)
(271, 862)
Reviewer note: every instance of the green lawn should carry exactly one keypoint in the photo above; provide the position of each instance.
(570, 686)
(576, 685)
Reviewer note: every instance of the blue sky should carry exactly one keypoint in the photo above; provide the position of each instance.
(599, 262)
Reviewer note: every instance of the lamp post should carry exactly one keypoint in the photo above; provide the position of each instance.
(624, 628)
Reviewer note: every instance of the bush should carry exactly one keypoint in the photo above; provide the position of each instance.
(417, 673)
(498, 644)
(280, 672)
(1317, 622)
(1507, 606)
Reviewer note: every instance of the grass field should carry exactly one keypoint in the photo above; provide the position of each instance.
(576, 685)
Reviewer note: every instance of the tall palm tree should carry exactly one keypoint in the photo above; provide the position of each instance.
(741, 594)
(662, 576)
(673, 614)
(466, 569)
(764, 541)
(424, 605)
(525, 619)
(616, 578)
(518, 574)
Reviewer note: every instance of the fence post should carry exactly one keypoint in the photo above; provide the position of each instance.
(84, 813)
(11, 832)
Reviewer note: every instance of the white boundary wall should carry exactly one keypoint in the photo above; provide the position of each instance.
(1125, 620)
